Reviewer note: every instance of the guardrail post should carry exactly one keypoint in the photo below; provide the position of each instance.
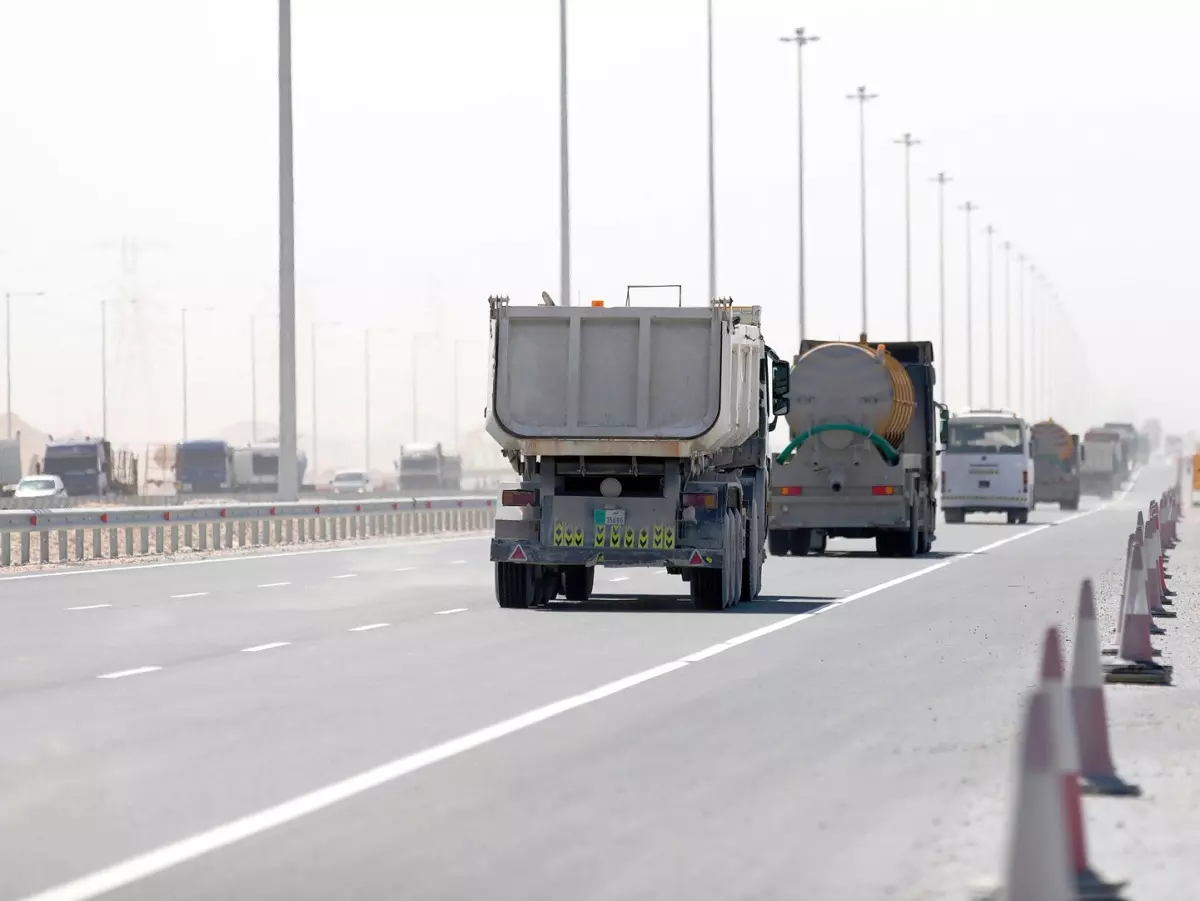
(202, 528)
(114, 544)
(242, 533)
(24, 548)
(158, 539)
(188, 536)
(44, 546)
(290, 530)
(6, 548)
(174, 539)
(79, 544)
(324, 529)
(278, 532)
(301, 529)
(64, 547)
(145, 539)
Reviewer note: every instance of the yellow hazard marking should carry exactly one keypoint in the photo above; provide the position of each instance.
(579, 538)
(614, 539)
(644, 538)
(598, 541)
(658, 536)
(669, 537)
(629, 538)
(558, 534)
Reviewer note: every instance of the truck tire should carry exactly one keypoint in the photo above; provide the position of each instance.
(885, 544)
(955, 516)
(578, 582)
(714, 589)
(822, 542)
(752, 567)
(908, 544)
(779, 542)
(519, 586)
(801, 542)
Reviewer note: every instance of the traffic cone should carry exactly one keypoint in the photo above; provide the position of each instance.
(1129, 545)
(1036, 866)
(1135, 653)
(1066, 752)
(1157, 560)
(1154, 584)
(1098, 774)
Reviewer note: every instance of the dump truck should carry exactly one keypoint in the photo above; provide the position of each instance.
(1103, 466)
(861, 460)
(1057, 454)
(426, 467)
(640, 438)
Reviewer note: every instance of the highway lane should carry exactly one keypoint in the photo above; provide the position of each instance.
(113, 768)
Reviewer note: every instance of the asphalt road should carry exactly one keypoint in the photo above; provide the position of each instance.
(367, 723)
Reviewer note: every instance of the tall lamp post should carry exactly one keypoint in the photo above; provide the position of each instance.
(941, 180)
(316, 452)
(416, 403)
(289, 475)
(908, 142)
(970, 208)
(104, 302)
(184, 356)
(8, 296)
(862, 97)
(800, 39)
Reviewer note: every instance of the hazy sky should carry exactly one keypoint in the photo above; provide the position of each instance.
(427, 178)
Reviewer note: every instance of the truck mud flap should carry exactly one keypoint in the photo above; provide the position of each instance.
(516, 551)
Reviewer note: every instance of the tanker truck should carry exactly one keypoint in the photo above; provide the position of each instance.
(640, 438)
(860, 463)
(1056, 459)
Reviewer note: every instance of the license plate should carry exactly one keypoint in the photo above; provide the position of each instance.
(609, 517)
(984, 483)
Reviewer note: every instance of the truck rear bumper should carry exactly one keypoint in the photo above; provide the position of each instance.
(852, 513)
(507, 550)
(980, 504)
(1052, 493)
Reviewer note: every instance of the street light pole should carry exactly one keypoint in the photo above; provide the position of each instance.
(991, 232)
(862, 97)
(563, 161)
(800, 39)
(970, 208)
(1021, 262)
(1008, 398)
(289, 477)
(417, 339)
(104, 367)
(183, 336)
(8, 296)
(941, 180)
(712, 196)
(253, 385)
(908, 142)
(367, 400)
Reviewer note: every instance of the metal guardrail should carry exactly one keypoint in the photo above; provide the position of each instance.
(80, 534)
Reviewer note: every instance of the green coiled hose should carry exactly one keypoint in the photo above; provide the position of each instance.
(889, 453)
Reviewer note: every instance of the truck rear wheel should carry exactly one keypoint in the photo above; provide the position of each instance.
(885, 544)
(801, 542)
(716, 589)
(519, 586)
(955, 516)
(752, 567)
(578, 582)
(779, 542)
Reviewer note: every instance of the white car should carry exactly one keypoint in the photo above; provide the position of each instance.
(351, 481)
(40, 486)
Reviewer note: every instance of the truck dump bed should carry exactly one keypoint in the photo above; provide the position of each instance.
(645, 381)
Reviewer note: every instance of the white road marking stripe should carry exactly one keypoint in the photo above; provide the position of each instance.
(454, 610)
(620, 579)
(265, 647)
(274, 584)
(163, 858)
(403, 569)
(457, 562)
(190, 594)
(241, 558)
(90, 607)
(369, 628)
(121, 674)
(347, 576)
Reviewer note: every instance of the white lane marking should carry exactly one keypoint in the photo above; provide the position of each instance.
(89, 607)
(265, 647)
(121, 674)
(346, 576)
(274, 584)
(457, 562)
(659, 572)
(163, 858)
(369, 628)
(453, 610)
(403, 569)
(620, 579)
(138, 567)
(190, 594)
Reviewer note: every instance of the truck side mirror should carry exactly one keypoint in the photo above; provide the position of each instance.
(944, 427)
(781, 383)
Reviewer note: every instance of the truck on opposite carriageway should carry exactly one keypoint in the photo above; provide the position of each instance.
(640, 437)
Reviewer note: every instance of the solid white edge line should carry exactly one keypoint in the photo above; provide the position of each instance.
(274, 584)
(190, 594)
(345, 576)
(137, 567)
(121, 674)
(368, 628)
(156, 861)
(89, 607)
(265, 647)
(453, 610)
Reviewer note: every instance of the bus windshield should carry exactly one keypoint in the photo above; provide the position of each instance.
(985, 438)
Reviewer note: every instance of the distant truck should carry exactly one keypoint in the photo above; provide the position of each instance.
(255, 468)
(1103, 466)
(89, 467)
(987, 465)
(203, 466)
(1057, 455)
(426, 467)
(640, 438)
(1129, 446)
(862, 456)
(11, 467)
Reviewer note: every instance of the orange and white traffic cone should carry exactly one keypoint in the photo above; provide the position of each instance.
(1154, 583)
(1087, 883)
(1129, 545)
(1135, 653)
(1098, 774)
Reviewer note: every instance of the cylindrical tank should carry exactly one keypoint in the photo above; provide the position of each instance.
(1051, 438)
(851, 384)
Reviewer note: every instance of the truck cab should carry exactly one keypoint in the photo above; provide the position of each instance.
(987, 466)
(203, 466)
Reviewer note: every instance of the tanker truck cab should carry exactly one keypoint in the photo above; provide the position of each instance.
(987, 466)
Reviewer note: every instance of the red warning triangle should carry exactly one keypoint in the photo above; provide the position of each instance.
(518, 554)
(695, 559)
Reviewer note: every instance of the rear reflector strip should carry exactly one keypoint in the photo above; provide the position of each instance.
(512, 497)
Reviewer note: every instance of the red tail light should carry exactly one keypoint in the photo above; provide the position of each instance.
(791, 490)
(522, 497)
(880, 490)
(707, 501)
(1025, 478)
